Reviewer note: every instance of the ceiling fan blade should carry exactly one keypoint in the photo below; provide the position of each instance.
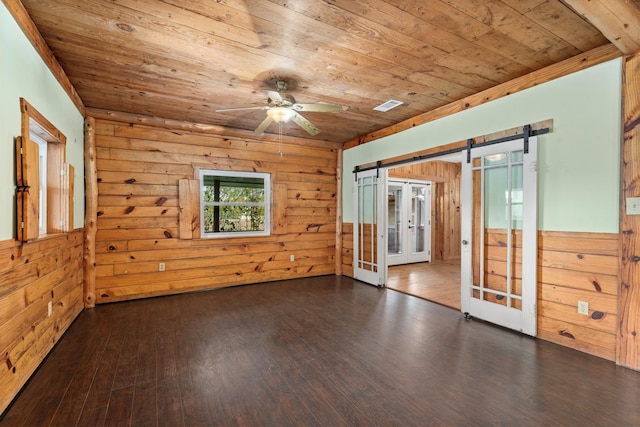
(319, 107)
(224, 110)
(263, 126)
(273, 95)
(305, 124)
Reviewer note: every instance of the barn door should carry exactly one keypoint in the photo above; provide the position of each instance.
(499, 232)
(369, 236)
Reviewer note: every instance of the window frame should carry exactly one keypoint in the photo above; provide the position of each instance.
(266, 177)
(56, 216)
(42, 155)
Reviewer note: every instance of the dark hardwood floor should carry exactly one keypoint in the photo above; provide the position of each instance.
(324, 351)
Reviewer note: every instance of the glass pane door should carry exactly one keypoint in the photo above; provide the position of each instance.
(369, 244)
(409, 222)
(419, 223)
(499, 221)
(395, 219)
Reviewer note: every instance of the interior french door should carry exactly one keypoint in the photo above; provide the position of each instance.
(499, 232)
(369, 236)
(408, 222)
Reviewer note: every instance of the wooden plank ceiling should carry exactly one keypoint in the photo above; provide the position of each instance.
(182, 60)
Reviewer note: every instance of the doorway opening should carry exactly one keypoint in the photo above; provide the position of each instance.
(495, 186)
(437, 277)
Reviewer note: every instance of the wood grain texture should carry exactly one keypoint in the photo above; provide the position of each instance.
(90, 212)
(321, 351)
(279, 208)
(445, 208)
(580, 62)
(355, 53)
(34, 35)
(28, 190)
(45, 271)
(339, 215)
(189, 209)
(462, 144)
(628, 348)
(32, 121)
(617, 20)
(576, 267)
(138, 225)
(572, 267)
(436, 281)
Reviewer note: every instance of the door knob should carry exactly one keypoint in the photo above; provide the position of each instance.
(465, 242)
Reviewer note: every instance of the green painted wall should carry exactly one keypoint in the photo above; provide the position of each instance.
(578, 164)
(24, 74)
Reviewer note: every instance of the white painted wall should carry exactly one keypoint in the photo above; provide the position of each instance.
(24, 74)
(578, 164)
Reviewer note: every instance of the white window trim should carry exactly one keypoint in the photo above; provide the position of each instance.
(267, 203)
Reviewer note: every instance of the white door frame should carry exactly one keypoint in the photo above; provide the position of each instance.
(524, 320)
(369, 193)
(409, 231)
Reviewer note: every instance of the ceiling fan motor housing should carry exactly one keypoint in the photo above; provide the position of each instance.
(286, 100)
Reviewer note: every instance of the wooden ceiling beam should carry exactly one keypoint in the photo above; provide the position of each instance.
(618, 20)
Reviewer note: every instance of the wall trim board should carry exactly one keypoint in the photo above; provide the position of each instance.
(628, 342)
(458, 146)
(25, 22)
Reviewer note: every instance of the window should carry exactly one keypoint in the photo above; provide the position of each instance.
(44, 181)
(234, 203)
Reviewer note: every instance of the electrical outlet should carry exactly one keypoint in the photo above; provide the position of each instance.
(292, 257)
(633, 205)
(49, 308)
(583, 308)
(161, 266)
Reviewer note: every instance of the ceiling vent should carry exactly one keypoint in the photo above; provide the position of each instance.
(392, 103)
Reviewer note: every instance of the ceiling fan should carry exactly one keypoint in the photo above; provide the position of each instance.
(283, 107)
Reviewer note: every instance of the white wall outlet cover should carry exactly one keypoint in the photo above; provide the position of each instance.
(633, 205)
(583, 307)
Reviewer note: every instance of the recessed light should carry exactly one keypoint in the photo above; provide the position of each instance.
(392, 103)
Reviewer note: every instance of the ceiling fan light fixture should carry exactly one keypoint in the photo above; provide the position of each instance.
(282, 107)
(280, 114)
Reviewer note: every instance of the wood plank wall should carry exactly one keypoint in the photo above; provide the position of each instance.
(495, 267)
(572, 267)
(32, 275)
(445, 203)
(628, 352)
(576, 267)
(138, 173)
